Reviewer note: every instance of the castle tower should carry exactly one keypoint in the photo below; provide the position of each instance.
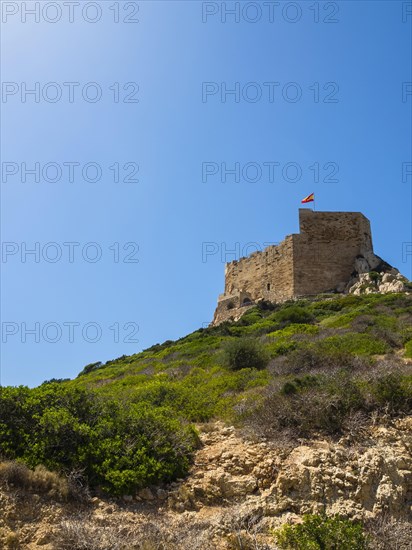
(322, 257)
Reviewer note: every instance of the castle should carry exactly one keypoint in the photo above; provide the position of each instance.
(329, 251)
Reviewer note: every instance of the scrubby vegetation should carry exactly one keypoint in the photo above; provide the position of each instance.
(329, 398)
(17, 476)
(302, 367)
(245, 353)
(319, 532)
(117, 445)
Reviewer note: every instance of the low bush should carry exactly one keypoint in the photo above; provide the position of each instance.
(320, 532)
(294, 314)
(299, 384)
(355, 343)
(393, 390)
(82, 534)
(90, 368)
(41, 481)
(375, 276)
(245, 353)
(408, 349)
(309, 358)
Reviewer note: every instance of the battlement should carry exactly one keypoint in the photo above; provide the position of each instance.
(320, 258)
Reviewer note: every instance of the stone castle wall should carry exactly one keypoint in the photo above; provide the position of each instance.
(326, 248)
(267, 274)
(320, 258)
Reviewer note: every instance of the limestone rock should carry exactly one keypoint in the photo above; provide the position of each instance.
(145, 494)
(161, 494)
(383, 282)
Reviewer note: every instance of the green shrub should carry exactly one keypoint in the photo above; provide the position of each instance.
(299, 383)
(264, 305)
(408, 349)
(294, 314)
(245, 353)
(159, 347)
(319, 532)
(293, 329)
(281, 347)
(252, 316)
(90, 368)
(354, 343)
(289, 388)
(393, 390)
(375, 276)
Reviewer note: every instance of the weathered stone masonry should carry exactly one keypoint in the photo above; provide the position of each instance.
(320, 258)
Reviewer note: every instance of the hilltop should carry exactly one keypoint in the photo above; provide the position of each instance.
(332, 253)
(217, 439)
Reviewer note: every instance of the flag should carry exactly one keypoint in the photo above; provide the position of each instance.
(309, 198)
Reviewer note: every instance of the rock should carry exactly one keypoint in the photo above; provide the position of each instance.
(341, 287)
(372, 260)
(100, 518)
(393, 286)
(226, 456)
(145, 494)
(44, 538)
(237, 487)
(361, 265)
(127, 498)
(161, 494)
(389, 281)
(252, 452)
(179, 507)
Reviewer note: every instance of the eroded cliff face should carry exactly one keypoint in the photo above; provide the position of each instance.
(354, 480)
(238, 490)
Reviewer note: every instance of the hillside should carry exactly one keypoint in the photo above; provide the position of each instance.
(217, 439)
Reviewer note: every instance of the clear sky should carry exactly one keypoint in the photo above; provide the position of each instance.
(183, 134)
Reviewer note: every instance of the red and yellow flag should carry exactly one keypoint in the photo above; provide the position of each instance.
(309, 198)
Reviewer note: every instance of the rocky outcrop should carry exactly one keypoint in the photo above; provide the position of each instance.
(335, 477)
(372, 281)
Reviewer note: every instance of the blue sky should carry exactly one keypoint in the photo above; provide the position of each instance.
(325, 105)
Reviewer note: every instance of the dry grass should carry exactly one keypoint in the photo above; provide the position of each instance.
(245, 531)
(17, 476)
(387, 533)
(83, 534)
